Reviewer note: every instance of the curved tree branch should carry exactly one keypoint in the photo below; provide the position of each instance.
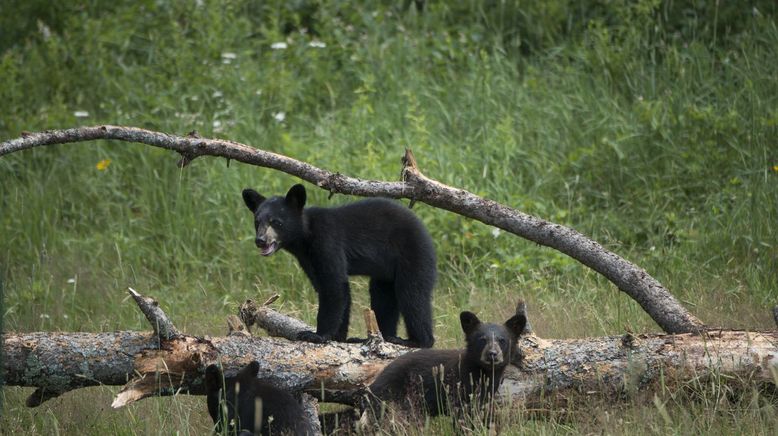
(654, 298)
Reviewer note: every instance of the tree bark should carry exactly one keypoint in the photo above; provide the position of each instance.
(337, 372)
(654, 298)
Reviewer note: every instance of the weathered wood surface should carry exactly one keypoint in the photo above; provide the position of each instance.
(58, 362)
(631, 363)
(654, 298)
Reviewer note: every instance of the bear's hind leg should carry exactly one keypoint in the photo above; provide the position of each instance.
(414, 298)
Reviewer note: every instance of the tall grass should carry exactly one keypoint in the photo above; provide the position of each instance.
(649, 126)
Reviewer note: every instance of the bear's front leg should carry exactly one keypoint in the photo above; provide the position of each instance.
(334, 309)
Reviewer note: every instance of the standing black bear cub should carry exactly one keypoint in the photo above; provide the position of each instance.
(474, 373)
(247, 405)
(378, 238)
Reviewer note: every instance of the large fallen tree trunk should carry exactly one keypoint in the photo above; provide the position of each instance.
(165, 362)
(654, 298)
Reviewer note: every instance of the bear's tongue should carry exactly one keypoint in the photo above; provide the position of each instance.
(269, 249)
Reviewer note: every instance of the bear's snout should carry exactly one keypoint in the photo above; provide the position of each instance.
(492, 354)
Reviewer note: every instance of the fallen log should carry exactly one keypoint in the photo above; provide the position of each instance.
(653, 297)
(149, 364)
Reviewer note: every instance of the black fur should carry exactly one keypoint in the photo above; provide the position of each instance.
(237, 396)
(378, 238)
(477, 370)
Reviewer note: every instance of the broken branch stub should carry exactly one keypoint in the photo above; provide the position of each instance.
(163, 327)
(275, 323)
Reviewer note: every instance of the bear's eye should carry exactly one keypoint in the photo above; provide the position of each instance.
(275, 222)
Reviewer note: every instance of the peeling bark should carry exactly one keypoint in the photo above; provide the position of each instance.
(337, 372)
(654, 298)
(623, 365)
(59, 362)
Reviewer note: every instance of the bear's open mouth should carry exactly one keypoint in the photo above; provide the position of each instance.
(269, 249)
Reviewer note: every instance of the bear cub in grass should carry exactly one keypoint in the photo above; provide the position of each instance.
(376, 237)
(251, 405)
(447, 380)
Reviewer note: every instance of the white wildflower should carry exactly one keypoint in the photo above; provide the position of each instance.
(317, 44)
(44, 30)
(228, 57)
(495, 232)
(80, 114)
(72, 280)
(217, 94)
(279, 116)
(278, 45)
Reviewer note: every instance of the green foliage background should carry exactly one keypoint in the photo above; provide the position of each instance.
(649, 125)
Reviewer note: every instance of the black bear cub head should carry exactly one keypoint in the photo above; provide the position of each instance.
(234, 400)
(278, 220)
(491, 346)
(248, 405)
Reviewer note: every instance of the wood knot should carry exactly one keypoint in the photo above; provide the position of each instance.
(248, 313)
(630, 341)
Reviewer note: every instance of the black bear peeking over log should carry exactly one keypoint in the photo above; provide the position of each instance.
(246, 405)
(375, 237)
(447, 381)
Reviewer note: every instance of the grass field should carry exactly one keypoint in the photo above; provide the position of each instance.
(650, 126)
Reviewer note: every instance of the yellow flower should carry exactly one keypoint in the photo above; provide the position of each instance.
(775, 168)
(103, 164)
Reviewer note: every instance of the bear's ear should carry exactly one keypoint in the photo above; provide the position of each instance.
(249, 371)
(213, 378)
(469, 322)
(516, 324)
(252, 199)
(296, 196)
